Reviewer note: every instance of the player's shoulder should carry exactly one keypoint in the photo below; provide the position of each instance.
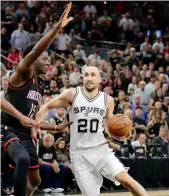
(110, 101)
(69, 93)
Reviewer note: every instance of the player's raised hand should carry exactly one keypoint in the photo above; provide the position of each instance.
(64, 20)
(28, 122)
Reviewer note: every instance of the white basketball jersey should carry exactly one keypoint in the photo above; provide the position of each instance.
(88, 117)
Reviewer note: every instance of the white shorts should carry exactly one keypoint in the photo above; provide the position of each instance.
(88, 167)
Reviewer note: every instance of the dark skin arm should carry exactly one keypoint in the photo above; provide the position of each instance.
(24, 70)
(10, 109)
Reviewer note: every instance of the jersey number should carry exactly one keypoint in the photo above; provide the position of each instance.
(32, 111)
(83, 125)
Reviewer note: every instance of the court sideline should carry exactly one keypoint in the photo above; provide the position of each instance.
(151, 193)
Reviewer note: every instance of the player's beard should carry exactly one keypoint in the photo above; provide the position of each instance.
(90, 89)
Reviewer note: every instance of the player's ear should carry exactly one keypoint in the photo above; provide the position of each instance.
(100, 80)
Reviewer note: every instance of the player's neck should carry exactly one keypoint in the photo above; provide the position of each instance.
(91, 94)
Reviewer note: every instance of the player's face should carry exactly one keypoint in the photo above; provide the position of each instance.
(91, 79)
(42, 63)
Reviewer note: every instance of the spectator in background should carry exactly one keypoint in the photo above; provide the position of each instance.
(63, 158)
(5, 44)
(54, 90)
(165, 105)
(129, 113)
(95, 56)
(52, 174)
(157, 107)
(165, 63)
(66, 85)
(13, 56)
(63, 42)
(145, 44)
(22, 11)
(156, 122)
(96, 31)
(158, 43)
(150, 87)
(165, 90)
(126, 22)
(132, 87)
(49, 25)
(140, 142)
(162, 140)
(132, 59)
(90, 9)
(79, 54)
(158, 98)
(166, 50)
(137, 103)
(3, 71)
(105, 23)
(57, 119)
(33, 35)
(121, 101)
(20, 38)
(140, 123)
(41, 19)
(145, 98)
(8, 21)
(4, 83)
(73, 77)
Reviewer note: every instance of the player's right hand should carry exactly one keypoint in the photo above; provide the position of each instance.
(28, 122)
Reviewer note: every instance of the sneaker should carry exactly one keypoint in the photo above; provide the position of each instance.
(57, 190)
(48, 190)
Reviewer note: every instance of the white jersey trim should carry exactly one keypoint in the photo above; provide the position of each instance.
(74, 98)
(87, 98)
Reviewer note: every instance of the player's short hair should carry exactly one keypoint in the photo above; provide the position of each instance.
(28, 49)
(90, 67)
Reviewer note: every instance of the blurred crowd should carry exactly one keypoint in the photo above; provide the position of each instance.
(137, 76)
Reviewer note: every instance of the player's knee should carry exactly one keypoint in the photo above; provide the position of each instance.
(23, 161)
(123, 179)
(35, 182)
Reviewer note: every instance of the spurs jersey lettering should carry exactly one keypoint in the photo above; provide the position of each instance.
(25, 99)
(88, 116)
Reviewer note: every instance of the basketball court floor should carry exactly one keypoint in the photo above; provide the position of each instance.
(151, 193)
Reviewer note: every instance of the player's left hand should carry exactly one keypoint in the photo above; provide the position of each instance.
(36, 134)
(64, 20)
(123, 138)
(61, 127)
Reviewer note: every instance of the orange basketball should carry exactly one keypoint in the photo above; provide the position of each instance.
(120, 126)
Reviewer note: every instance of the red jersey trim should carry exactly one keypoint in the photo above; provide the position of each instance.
(21, 87)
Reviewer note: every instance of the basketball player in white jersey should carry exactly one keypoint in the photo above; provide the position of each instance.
(90, 154)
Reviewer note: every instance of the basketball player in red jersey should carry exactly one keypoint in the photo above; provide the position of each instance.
(24, 120)
(91, 157)
(25, 94)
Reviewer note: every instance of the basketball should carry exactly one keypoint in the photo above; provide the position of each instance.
(120, 125)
